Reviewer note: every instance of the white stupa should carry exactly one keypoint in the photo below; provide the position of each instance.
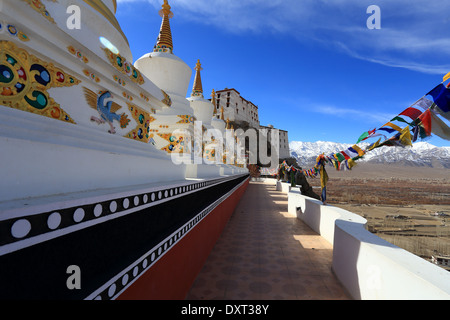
(166, 70)
(172, 75)
(203, 109)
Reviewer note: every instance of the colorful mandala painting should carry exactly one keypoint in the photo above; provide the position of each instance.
(26, 79)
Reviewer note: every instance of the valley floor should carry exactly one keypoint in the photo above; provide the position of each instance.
(407, 206)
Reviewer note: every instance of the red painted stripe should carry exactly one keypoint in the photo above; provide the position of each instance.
(171, 277)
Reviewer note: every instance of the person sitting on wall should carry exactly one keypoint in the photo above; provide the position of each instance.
(306, 189)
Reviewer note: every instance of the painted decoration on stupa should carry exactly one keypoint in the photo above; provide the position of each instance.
(177, 143)
(25, 80)
(167, 100)
(186, 118)
(38, 6)
(78, 54)
(13, 31)
(122, 65)
(107, 109)
(143, 120)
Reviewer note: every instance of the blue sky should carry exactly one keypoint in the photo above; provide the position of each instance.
(311, 66)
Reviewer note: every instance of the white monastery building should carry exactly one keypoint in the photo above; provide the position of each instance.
(236, 108)
(230, 105)
(283, 141)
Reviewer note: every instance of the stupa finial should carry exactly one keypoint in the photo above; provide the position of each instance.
(213, 101)
(164, 42)
(197, 90)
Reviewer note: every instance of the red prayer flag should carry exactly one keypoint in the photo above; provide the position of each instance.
(425, 119)
(346, 156)
(413, 113)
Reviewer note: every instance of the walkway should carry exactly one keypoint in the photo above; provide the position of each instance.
(266, 254)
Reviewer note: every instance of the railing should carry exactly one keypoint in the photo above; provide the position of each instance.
(366, 265)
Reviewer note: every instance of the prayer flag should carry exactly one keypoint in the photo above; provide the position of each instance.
(358, 150)
(424, 103)
(339, 157)
(441, 96)
(393, 126)
(346, 156)
(439, 128)
(351, 164)
(405, 137)
(446, 77)
(411, 112)
(323, 177)
(352, 152)
(398, 118)
(366, 135)
(374, 145)
(425, 122)
(392, 142)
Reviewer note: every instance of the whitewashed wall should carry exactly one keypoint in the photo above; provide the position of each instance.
(369, 267)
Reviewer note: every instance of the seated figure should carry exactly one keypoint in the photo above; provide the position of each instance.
(306, 189)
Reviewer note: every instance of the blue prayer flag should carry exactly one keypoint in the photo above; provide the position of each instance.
(441, 96)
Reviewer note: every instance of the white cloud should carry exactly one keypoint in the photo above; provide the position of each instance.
(398, 61)
(346, 113)
(413, 34)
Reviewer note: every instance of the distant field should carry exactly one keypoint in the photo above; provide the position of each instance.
(407, 206)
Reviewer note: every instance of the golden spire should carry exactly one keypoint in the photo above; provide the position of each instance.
(197, 90)
(221, 114)
(164, 42)
(213, 101)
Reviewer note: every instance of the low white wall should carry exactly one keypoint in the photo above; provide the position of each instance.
(366, 265)
(283, 186)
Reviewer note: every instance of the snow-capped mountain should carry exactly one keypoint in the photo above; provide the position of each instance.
(420, 154)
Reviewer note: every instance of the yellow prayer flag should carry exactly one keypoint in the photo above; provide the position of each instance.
(446, 77)
(393, 126)
(323, 176)
(351, 163)
(376, 144)
(405, 137)
(359, 150)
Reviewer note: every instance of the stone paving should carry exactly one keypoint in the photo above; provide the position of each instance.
(266, 254)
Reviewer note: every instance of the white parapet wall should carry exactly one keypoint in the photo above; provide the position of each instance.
(283, 186)
(369, 267)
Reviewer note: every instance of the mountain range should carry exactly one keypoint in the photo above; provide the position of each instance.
(421, 154)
